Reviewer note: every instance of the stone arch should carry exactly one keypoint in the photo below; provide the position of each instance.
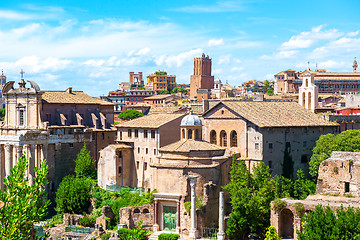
(136, 210)
(183, 134)
(213, 137)
(223, 138)
(309, 100)
(286, 228)
(303, 99)
(233, 139)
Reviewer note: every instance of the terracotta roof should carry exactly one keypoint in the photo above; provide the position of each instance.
(151, 121)
(277, 114)
(190, 145)
(75, 97)
(168, 109)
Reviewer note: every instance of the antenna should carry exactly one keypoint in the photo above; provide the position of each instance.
(308, 65)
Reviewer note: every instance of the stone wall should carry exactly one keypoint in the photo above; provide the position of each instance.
(131, 216)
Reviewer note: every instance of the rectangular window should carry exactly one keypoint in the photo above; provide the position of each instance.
(155, 151)
(270, 146)
(21, 118)
(257, 146)
(347, 187)
(136, 133)
(120, 154)
(138, 149)
(304, 143)
(145, 133)
(129, 133)
(71, 145)
(120, 170)
(146, 151)
(152, 133)
(137, 165)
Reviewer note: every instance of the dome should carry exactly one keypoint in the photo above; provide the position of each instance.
(191, 120)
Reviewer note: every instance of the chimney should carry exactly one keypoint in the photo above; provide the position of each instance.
(69, 90)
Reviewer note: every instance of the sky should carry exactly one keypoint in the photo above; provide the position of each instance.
(93, 45)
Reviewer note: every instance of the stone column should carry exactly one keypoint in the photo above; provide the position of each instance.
(44, 150)
(32, 160)
(2, 167)
(193, 233)
(221, 233)
(156, 225)
(178, 217)
(8, 159)
(19, 149)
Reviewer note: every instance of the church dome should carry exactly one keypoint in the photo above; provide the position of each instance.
(191, 120)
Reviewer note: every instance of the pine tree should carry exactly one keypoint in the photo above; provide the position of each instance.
(85, 164)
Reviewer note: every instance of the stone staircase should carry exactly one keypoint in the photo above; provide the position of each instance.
(154, 235)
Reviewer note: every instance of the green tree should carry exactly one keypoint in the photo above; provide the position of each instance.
(2, 113)
(177, 89)
(85, 164)
(269, 92)
(163, 92)
(271, 234)
(348, 141)
(130, 114)
(251, 194)
(73, 195)
(301, 188)
(23, 200)
(322, 224)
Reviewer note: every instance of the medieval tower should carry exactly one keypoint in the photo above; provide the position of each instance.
(201, 78)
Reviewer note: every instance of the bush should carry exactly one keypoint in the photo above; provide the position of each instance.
(299, 208)
(279, 205)
(87, 221)
(168, 236)
(85, 164)
(130, 114)
(73, 195)
(105, 236)
(124, 233)
(133, 234)
(271, 234)
(57, 219)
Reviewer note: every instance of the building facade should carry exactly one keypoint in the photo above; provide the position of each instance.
(201, 78)
(161, 81)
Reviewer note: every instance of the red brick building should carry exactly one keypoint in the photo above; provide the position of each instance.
(201, 78)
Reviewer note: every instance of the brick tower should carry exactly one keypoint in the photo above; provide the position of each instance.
(201, 78)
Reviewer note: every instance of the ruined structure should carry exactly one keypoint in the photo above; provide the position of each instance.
(338, 185)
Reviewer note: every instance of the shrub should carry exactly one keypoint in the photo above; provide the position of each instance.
(279, 205)
(85, 164)
(271, 234)
(299, 208)
(133, 234)
(124, 233)
(73, 195)
(105, 236)
(168, 236)
(130, 114)
(87, 221)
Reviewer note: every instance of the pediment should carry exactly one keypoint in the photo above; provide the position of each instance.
(221, 111)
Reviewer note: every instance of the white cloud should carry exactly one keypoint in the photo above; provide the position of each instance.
(143, 51)
(236, 69)
(280, 55)
(33, 64)
(178, 60)
(220, 6)
(224, 59)
(215, 42)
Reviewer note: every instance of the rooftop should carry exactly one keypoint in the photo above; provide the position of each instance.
(158, 97)
(189, 145)
(150, 121)
(276, 114)
(74, 97)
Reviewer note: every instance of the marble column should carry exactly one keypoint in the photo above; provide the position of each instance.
(32, 159)
(19, 149)
(178, 217)
(8, 159)
(156, 225)
(193, 233)
(221, 233)
(2, 167)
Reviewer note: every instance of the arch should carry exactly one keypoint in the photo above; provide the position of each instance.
(233, 139)
(303, 99)
(213, 137)
(306, 82)
(223, 139)
(146, 210)
(197, 134)
(183, 133)
(286, 229)
(137, 210)
(309, 100)
(190, 134)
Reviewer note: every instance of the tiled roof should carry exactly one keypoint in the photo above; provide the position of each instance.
(150, 121)
(277, 114)
(168, 109)
(190, 145)
(158, 97)
(75, 97)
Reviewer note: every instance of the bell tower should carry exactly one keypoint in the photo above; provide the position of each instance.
(201, 78)
(355, 66)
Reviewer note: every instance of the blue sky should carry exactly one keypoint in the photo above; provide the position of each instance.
(93, 45)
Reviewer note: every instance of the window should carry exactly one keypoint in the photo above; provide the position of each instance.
(270, 146)
(120, 170)
(223, 139)
(146, 151)
(213, 137)
(152, 133)
(304, 143)
(145, 133)
(120, 154)
(233, 139)
(347, 187)
(137, 165)
(136, 133)
(196, 134)
(155, 151)
(145, 166)
(189, 134)
(257, 146)
(138, 149)
(21, 117)
(129, 133)
(71, 145)
(183, 133)
(103, 136)
(304, 159)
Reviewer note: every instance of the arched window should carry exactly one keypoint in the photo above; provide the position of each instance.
(233, 139)
(190, 134)
(213, 137)
(196, 134)
(183, 133)
(223, 139)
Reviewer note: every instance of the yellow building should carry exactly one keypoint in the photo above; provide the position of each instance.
(160, 81)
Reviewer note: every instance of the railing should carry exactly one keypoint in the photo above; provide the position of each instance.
(81, 230)
(116, 188)
(210, 233)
